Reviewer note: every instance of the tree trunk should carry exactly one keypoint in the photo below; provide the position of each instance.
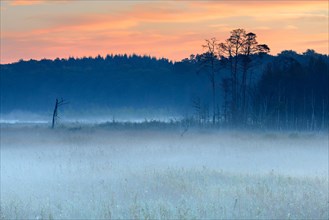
(54, 114)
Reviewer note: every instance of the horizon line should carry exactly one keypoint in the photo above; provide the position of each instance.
(130, 55)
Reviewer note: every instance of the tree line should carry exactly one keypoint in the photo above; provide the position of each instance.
(233, 83)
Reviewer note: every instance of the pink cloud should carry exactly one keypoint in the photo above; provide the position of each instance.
(25, 2)
(164, 29)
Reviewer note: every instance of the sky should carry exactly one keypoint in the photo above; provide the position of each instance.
(37, 29)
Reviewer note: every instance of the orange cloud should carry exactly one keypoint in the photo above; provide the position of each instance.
(25, 2)
(35, 2)
(172, 29)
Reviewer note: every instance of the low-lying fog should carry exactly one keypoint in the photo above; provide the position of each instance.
(92, 172)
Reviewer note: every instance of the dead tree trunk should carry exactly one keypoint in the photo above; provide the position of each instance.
(323, 112)
(55, 113)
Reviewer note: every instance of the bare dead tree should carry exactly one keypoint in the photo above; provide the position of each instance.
(323, 114)
(55, 113)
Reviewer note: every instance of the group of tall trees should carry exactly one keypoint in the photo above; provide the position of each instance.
(236, 53)
(291, 92)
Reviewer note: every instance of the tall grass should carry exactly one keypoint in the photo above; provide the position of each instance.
(100, 173)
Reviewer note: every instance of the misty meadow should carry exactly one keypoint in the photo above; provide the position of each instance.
(183, 128)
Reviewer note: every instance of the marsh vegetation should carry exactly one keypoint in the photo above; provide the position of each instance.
(97, 172)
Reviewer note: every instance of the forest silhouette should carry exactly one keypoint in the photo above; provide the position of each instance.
(222, 86)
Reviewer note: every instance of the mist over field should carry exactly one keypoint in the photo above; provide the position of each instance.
(91, 116)
(99, 172)
(164, 110)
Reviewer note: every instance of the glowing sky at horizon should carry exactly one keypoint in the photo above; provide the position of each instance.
(36, 29)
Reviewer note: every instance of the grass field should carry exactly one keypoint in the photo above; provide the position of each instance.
(99, 173)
